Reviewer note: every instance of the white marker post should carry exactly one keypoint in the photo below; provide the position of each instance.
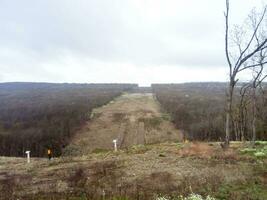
(115, 145)
(28, 156)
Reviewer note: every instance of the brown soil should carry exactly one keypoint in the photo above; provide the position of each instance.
(132, 119)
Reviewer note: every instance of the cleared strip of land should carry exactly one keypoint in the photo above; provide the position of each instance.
(131, 119)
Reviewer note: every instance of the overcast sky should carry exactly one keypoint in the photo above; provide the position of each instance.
(133, 41)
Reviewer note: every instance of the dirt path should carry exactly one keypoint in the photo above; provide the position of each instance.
(132, 119)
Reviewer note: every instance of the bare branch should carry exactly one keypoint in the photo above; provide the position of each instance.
(240, 61)
(259, 48)
(251, 66)
(226, 14)
(261, 80)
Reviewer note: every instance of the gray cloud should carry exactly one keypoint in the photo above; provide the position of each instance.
(37, 36)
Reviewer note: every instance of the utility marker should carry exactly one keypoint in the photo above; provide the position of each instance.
(28, 156)
(115, 145)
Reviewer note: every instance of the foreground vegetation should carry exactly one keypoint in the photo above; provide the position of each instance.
(37, 116)
(173, 171)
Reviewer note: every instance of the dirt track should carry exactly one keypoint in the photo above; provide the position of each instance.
(131, 119)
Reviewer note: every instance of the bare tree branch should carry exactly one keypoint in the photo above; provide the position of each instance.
(251, 66)
(240, 60)
(226, 14)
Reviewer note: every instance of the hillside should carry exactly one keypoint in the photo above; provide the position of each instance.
(132, 119)
(140, 172)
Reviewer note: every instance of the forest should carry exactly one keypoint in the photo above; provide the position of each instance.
(38, 116)
(198, 109)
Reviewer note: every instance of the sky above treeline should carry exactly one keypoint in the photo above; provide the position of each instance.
(116, 41)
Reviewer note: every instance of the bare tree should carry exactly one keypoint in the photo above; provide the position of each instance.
(258, 79)
(240, 120)
(257, 71)
(239, 63)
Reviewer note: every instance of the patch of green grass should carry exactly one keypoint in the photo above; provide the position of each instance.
(253, 188)
(252, 191)
(180, 145)
(259, 152)
(248, 150)
(261, 143)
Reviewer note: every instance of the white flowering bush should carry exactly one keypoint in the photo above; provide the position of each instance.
(190, 197)
(210, 198)
(198, 197)
(194, 197)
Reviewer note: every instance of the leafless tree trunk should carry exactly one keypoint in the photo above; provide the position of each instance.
(241, 63)
(258, 73)
(243, 110)
(231, 86)
(254, 104)
(258, 79)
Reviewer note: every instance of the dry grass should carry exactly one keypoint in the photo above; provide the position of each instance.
(118, 117)
(137, 173)
(132, 118)
(198, 149)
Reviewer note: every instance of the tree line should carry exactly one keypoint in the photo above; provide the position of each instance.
(198, 109)
(37, 116)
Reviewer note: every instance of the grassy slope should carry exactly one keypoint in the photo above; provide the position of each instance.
(131, 118)
(140, 172)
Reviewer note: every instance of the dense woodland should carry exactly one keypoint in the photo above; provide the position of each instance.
(38, 116)
(199, 110)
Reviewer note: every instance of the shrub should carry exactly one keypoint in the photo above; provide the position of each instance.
(248, 150)
(198, 197)
(260, 154)
(190, 197)
(261, 143)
